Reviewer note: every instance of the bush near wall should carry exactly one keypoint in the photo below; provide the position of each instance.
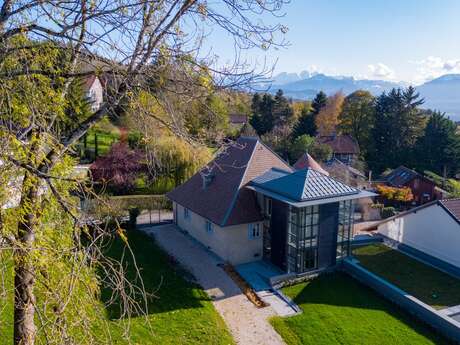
(388, 212)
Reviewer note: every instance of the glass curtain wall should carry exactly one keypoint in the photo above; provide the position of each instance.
(302, 241)
(346, 210)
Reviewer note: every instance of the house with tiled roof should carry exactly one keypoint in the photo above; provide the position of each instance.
(306, 161)
(249, 205)
(430, 231)
(344, 147)
(423, 189)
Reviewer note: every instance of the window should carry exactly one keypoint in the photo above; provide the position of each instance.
(186, 214)
(303, 232)
(209, 227)
(254, 230)
(344, 228)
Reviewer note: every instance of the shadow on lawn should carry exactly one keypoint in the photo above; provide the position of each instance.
(168, 286)
(339, 289)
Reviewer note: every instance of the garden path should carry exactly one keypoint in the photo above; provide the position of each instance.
(248, 325)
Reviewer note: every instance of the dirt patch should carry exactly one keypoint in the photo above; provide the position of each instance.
(244, 286)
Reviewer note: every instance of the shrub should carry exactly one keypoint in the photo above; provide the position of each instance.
(118, 168)
(388, 212)
(395, 194)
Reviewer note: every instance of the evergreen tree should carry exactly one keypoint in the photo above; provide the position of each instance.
(439, 146)
(282, 110)
(398, 124)
(77, 108)
(305, 125)
(319, 102)
(307, 121)
(262, 119)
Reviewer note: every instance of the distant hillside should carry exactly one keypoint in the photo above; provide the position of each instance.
(295, 87)
(441, 94)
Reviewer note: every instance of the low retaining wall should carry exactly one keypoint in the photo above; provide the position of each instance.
(444, 324)
(366, 241)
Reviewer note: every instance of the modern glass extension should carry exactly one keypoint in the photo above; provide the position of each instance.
(303, 232)
(346, 210)
(302, 246)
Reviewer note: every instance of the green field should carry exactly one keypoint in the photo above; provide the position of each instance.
(180, 312)
(339, 310)
(424, 282)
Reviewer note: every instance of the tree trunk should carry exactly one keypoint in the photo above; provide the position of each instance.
(24, 279)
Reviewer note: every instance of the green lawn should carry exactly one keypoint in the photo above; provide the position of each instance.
(104, 141)
(339, 310)
(180, 312)
(426, 283)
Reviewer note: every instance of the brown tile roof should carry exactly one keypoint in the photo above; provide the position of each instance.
(307, 161)
(452, 206)
(401, 176)
(224, 201)
(238, 119)
(340, 144)
(89, 81)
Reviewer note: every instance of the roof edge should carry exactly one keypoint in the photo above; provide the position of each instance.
(447, 209)
(402, 214)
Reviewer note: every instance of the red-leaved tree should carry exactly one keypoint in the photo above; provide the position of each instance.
(119, 168)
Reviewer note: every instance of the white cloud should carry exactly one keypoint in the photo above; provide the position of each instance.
(434, 67)
(381, 71)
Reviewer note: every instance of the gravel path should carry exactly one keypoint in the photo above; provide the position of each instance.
(248, 324)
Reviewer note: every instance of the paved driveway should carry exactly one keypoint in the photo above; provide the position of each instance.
(248, 324)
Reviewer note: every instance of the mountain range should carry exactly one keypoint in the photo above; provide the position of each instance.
(441, 94)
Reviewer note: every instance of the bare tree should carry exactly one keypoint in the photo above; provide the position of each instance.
(133, 45)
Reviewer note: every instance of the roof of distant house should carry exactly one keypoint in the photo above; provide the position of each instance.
(340, 144)
(452, 206)
(334, 163)
(302, 185)
(89, 80)
(307, 161)
(238, 119)
(224, 200)
(401, 176)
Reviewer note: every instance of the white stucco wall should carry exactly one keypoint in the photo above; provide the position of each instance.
(430, 230)
(231, 243)
(96, 94)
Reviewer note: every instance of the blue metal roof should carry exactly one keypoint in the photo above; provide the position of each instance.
(302, 185)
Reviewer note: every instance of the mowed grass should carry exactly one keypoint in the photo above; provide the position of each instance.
(424, 282)
(339, 310)
(179, 313)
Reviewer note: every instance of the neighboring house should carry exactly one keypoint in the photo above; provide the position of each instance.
(423, 189)
(346, 173)
(344, 147)
(238, 120)
(432, 229)
(307, 161)
(94, 91)
(248, 205)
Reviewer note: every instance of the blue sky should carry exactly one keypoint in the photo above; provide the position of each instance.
(401, 40)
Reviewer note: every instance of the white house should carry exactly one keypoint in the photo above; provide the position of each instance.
(94, 91)
(433, 229)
